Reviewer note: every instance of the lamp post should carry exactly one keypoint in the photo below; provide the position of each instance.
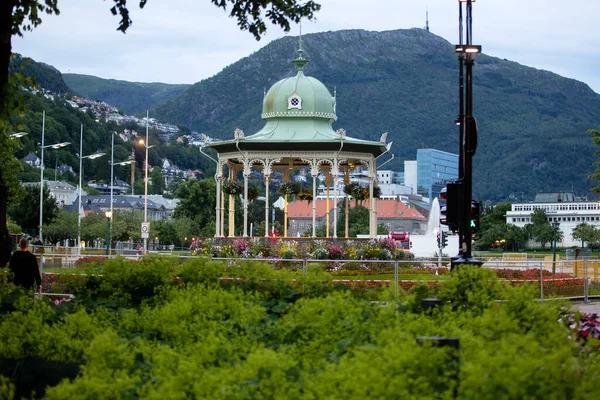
(81, 157)
(108, 218)
(112, 180)
(145, 144)
(43, 146)
(555, 225)
(468, 135)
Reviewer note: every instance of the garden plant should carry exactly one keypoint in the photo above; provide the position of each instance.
(162, 328)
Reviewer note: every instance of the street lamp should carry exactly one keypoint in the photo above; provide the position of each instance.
(555, 225)
(50, 146)
(145, 144)
(108, 218)
(19, 134)
(81, 157)
(467, 136)
(112, 181)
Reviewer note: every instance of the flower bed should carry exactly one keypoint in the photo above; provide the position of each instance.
(384, 249)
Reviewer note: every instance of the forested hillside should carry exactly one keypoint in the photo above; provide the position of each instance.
(63, 124)
(46, 76)
(532, 123)
(130, 97)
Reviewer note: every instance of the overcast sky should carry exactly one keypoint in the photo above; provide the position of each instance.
(185, 41)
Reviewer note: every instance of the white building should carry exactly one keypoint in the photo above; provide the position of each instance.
(560, 207)
(62, 192)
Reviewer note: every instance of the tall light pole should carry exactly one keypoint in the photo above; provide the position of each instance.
(555, 225)
(468, 136)
(81, 157)
(42, 166)
(108, 218)
(112, 184)
(145, 144)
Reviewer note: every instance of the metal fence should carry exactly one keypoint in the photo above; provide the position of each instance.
(577, 279)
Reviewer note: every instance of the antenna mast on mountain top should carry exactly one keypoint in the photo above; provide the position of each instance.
(427, 20)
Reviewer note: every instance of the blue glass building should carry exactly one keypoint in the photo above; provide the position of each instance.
(435, 168)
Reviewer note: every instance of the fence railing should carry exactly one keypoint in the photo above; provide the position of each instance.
(572, 279)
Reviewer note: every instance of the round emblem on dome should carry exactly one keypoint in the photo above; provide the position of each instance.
(294, 101)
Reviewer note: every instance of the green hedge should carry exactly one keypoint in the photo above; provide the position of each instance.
(140, 333)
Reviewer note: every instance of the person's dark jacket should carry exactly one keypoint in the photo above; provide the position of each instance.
(24, 266)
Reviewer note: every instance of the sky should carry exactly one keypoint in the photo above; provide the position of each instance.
(186, 41)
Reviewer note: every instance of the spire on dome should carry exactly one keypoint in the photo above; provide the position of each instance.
(300, 62)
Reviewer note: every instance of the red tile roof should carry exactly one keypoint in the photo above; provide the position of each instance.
(385, 209)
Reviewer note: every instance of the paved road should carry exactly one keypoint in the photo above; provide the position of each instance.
(588, 308)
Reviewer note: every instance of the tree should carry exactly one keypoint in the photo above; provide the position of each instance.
(585, 233)
(359, 216)
(158, 181)
(493, 226)
(19, 16)
(197, 201)
(26, 213)
(596, 175)
(541, 230)
(63, 227)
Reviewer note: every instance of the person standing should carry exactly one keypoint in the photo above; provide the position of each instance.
(25, 268)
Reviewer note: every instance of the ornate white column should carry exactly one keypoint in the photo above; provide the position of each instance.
(327, 183)
(222, 227)
(246, 174)
(347, 181)
(373, 229)
(286, 178)
(334, 172)
(218, 179)
(267, 208)
(218, 206)
(314, 171)
(233, 177)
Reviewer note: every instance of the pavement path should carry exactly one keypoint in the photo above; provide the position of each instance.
(588, 307)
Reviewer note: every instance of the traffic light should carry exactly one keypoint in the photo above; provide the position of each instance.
(439, 241)
(475, 217)
(444, 240)
(451, 212)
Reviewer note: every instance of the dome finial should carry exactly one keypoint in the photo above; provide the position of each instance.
(300, 62)
(300, 41)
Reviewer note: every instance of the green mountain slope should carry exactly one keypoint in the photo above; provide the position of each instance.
(130, 97)
(46, 76)
(532, 123)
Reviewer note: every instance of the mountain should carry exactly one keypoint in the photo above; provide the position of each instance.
(130, 97)
(46, 76)
(532, 123)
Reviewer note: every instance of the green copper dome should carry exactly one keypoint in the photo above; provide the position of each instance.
(299, 96)
(298, 112)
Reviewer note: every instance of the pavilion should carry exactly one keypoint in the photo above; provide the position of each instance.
(299, 112)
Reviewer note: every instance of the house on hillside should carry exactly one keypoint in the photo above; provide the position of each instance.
(32, 160)
(64, 168)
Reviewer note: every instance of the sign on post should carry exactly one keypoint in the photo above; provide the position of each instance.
(145, 229)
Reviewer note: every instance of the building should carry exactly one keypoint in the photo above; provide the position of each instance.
(62, 192)
(118, 187)
(64, 168)
(32, 160)
(158, 208)
(435, 168)
(298, 113)
(560, 207)
(395, 215)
